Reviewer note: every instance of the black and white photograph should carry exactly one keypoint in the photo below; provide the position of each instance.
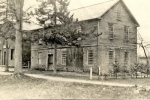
(75, 49)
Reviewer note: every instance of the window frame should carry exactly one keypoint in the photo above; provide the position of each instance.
(90, 60)
(63, 57)
(39, 58)
(126, 31)
(111, 30)
(113, 56)
(119, 12)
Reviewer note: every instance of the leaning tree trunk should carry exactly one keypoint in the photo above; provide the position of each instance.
(147, 62)
(18, 42)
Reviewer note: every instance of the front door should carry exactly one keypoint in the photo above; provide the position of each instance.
(4, 58)
(50, 61)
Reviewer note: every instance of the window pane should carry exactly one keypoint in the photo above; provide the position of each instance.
(90, 57)
(39, 58)
(119, 12)
(111, 55)
(110, 26)
(111, 30)
(126, 31)
(63, 57)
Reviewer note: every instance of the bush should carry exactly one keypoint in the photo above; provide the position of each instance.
(116, 68)
(39, 67)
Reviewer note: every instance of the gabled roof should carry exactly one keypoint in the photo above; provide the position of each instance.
(97, 10)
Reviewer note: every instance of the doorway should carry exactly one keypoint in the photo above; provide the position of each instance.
(4, 58)
(50, 61)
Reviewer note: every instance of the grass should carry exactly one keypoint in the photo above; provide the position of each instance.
(32, 88)
(85, 76)
(75, 75)
(139, 81)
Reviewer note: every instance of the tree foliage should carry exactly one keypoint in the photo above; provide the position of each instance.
(64, 28)
(59, 26)
(12, 17)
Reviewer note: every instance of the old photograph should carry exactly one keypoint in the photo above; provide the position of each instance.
(75, 49)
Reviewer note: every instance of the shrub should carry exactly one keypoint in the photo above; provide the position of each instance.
(116, 68)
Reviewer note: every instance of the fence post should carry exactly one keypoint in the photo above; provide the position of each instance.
(91, 73)
(99, 71)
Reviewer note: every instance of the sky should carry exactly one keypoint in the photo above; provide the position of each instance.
(139, 8)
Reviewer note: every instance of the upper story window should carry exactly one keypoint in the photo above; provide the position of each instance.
(119, 10)
(111, 30)
(90, 57)
(126, 31)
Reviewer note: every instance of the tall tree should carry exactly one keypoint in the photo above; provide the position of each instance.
(16, 8)
(64, 29)
(6, 26)
(18, 5)
(141, 44)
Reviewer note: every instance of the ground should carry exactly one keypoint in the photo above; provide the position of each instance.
(85, 76)
(33, 88)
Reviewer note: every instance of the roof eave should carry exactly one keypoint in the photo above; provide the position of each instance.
(138, 25)
(108, 9)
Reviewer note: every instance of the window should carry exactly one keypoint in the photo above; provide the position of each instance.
(39, 58)
(90, 57)
(12, 54)
(119, 12)
(63, 58)
(111, 30)
(126, 57)
(111, 56)
(126, 31)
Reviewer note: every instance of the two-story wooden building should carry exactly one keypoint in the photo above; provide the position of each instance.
(7, 45)
(117, 42)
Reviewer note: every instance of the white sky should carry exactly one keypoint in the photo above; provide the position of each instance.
(139, 8)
